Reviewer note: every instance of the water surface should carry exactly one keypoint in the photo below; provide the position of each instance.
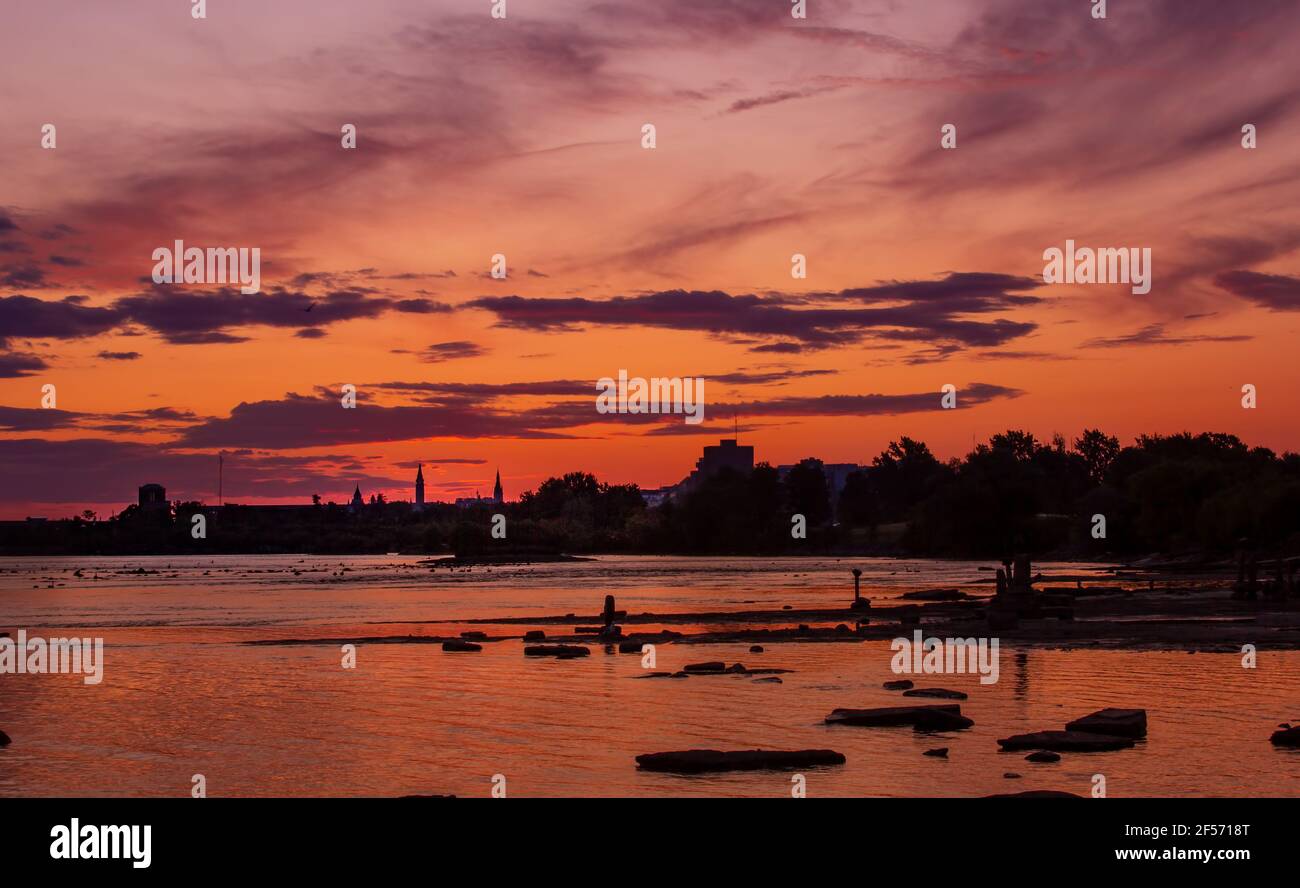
(183, 695)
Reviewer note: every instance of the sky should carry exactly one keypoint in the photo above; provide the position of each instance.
(523, 136)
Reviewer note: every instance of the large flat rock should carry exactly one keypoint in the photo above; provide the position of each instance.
(1281, 737)
(1035, 794)
(1066, 741)
(1116, 722)
(703, 761)
(939, 693)
(562, 651)
(928, 717)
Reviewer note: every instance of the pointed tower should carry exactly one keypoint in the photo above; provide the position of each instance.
(497, 494)
(419, 488)
(357, 502)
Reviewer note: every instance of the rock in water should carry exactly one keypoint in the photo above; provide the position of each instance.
(461, 647)
(712, 666)
(703, 761)
(1115, 722)
(1035, 794)
(941, 752)
(939, 693)
(756, 649)
(1043, 756)
(534, 635)
(942, 716)
(900, 685)
(4, 739)
(1282, 737)
(939, 720)
(1066, 741)
(564, 651)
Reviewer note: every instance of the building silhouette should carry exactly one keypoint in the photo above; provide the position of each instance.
(153, 497)
(418, 505)
(726, 454)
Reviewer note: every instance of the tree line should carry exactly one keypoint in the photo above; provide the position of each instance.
(1161, 494)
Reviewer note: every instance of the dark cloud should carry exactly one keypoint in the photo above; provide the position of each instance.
(24, 316)
(473, 410)
(35, 419)
(1155, 334)
(101, 470)
(970, 395)
(774, 98)
(23, 276)
(188, 317)
(119, 356)
(769, 377)
(297, 421)
(450, 351)
(908, 311)
(1279, 292)
(15, 364)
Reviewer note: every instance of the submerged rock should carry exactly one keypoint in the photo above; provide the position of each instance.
(534, 635)
(1281, 737)
(1066, 741)
(1011, 775)
(474, 635)
(940, 693)
(563, 651)
(943, 716)
(630, 647)
(900, 685)
(1115, 722)
(941, 752)
(1035, 794)
(4, 739)
(771, 679)
(938, 720)
(461, 647)
(756, 649)
(702, 761)
(711, 666)
(1043, 756)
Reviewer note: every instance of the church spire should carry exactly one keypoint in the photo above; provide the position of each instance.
(498, 495)
(419, 487)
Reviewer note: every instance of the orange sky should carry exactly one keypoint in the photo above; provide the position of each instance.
(522, 136)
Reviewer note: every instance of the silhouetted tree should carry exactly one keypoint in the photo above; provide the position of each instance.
(1098, 451)
(807, 492)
